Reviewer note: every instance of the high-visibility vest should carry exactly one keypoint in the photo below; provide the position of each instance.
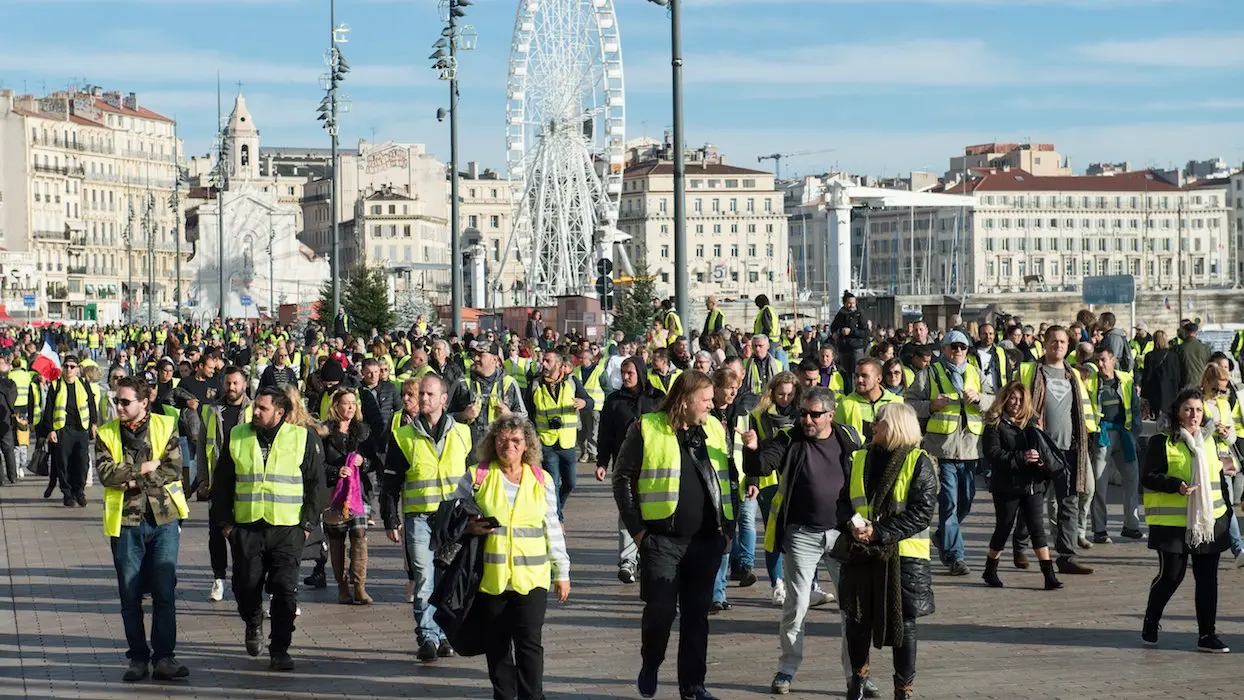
(856, 411)
(591, 384)
(1171, 509)
(401, 367)
(1028, 373)
(496, 396)
(715, 319)
(22, 379)
(751, 373)
(762, 432)
(92, 341)
(326, 401)
(211, 423)
(1140, 351)
(673, 324)
(59, 412)
(1219, 408)
(516, 554)
(160, 430)
(914, 547)
(161, 336)
(946, 421)
(736, 453)
(660, 473)
(270, 490)
(518, 370)
(835, 382)
(774, 333)
(663, 385)
(909, 375)
(999, 358)
(431, 478)
(423, 372)
(36, 398)
(1126, 386)
(562, 407)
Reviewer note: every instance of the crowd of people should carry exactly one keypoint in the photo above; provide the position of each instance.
(860, 449)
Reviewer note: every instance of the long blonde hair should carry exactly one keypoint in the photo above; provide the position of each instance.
(1210, 378)
(767, 401)
(903, 427)
(298, 415)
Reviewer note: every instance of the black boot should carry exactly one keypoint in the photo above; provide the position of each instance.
(903, 689)
(855, 686)
(1051, 581)
(990, 576)
(318, 578)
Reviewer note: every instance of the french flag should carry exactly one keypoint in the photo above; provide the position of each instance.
(47, 362)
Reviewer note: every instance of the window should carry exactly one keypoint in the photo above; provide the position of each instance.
(717, 250)
(751, 228)
(753, 276)
(734, 205)
(661, 206)
(769, 250)
(717, 228)
(699, 206)
(714, 184)
(1006, 268)
(1101, 245)
(732, 184)
(768, 228)
(494, 221)
(696, 184)
(665, 251)
(750, 184)
(751, 205)
(375, 230)
(392, 209)
(989, 269)
(988, 245)
(768, 206)
(716, 206)
(734, 251)
(699, 228)
(406, 254)
(699, 251)
(1006, 224)
(376, 209)
(406, 231)
(751, 250)
(473, 221)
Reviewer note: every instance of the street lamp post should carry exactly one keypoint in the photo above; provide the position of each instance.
(454, 38)
(682, 294)
(328, 110)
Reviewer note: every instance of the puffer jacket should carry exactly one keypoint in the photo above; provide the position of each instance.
(1003, 446)
(912, 517)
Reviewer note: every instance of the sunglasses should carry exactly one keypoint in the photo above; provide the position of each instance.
(123, 403)
(958, 346)
(804, 413)
(69, 367)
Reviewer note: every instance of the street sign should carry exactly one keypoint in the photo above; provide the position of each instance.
(604, 266)
(246, 300)
(28, 300)
(1108, 289)
(604, 285)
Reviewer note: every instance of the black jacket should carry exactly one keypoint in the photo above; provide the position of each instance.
(787, 454)
(378, 410)
(858, 338)
(277, 376)
(912, 517)
(458, 582)
(338, 446)
(315, 496)
(1003, 447)
(622, 408)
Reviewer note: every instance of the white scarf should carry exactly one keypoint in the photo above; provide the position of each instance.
(1200, 501)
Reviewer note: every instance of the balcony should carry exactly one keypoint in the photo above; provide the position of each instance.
(51, 235)
(66, 170)
(76, 269)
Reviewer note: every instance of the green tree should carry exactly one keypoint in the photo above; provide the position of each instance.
(365, 297)
(632, 305)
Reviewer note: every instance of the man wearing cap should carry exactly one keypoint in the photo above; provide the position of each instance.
(487, 392)
(554, 400)
(949, 393)
(1142, 343)
(69, 422)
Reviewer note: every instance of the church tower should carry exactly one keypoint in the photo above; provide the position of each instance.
(243, 140)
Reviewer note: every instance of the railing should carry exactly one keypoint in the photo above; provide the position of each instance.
(76, 269)
(51, 235)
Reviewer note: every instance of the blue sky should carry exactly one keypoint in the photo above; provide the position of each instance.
(890, 85)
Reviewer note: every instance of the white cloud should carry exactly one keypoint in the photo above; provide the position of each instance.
(1179, 51)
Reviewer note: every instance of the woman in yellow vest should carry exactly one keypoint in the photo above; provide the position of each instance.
(343, 433)
(524, 553)
(143, 509)
(1187, 511)
(886, 582)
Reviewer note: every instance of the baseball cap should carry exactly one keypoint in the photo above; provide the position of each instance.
(483, 346)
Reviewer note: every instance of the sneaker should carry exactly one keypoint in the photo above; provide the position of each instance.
(870, 689)
(410, 591)
(747, 577)
(647, 682)
(1102, 538)
(819, 597)
(254, 639)
(169, 669)
(218, 591)
(281, 662)
(719, 606)
(1149, 633)
(781, 684)
(778, 596)
(626, 575)
(958, 568)
(136, 672)
(427, 651)
(445, 651)
(1211, 644)
(1132, 534)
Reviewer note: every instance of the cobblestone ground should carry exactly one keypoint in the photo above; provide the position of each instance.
(61, 633)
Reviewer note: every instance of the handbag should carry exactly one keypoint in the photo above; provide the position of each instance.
(40, 459)
(1052, 460)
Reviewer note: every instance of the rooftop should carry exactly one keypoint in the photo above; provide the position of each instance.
(652, 168)
(1015, 180)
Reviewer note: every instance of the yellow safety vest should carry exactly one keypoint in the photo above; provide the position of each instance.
(160, 430)
(518, 370)
(270, 490)
(673, 324)
(714, 317)
(1171, 509)
(946, 421)
(659, 384)
(857, 410)
(1219, 408)
(431, 478)
(661, 471)
(914, 547)
(211, 420)
(547, 408)
(1028, 373)
(22, 379)
(516, 554)
(59, 412)
(1126, 387)
(755, 383)
(496, 396)
(592, 384)
(763, 434)
(92, 341)
(999, 357)
(774, 333)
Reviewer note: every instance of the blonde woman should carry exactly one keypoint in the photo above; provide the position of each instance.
(344, 433)
(1224, 411)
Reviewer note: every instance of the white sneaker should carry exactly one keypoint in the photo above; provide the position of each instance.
(410, 591)
(779, 594)
(1239, 560)
(819, 597)
(267, 611)
(218, 590)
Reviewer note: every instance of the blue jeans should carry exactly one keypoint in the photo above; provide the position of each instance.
(145, 557)
(560, 464)
(418, 542)
(954, 501)
(773, 560)
(742, 553)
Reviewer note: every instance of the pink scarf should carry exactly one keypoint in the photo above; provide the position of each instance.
(348, 493)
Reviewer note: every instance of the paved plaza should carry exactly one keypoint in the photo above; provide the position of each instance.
(61, 634)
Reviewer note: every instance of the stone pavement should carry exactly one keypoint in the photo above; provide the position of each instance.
(61, 634)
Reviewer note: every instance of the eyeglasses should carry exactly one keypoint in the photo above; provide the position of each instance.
(958, 346)
(69, 367)
(805, 413)
(122, 403)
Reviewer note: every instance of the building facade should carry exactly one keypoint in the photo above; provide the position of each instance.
(1040, 159)
(1235, 197)
(736, 228)
(486, 220)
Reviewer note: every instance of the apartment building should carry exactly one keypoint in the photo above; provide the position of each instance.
(486, 213)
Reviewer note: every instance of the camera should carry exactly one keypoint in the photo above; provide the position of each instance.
(555, 423)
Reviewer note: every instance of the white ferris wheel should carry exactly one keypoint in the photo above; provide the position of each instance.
(565, 142)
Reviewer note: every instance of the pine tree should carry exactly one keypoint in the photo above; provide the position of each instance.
(633, 312)
(325, 308)
(412, 304)
(366, 298)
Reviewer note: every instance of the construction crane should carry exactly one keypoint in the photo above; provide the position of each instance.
(777, 159)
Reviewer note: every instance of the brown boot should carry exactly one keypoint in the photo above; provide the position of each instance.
(337, 555)
(358, 566)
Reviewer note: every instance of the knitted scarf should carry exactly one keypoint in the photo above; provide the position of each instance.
(1200, 501)
(881, 599)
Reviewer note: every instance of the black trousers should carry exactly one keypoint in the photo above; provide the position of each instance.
(1007, 508)
(217, 550)
(678, 576)
(1066, 512)
(70, 460)
(859, 639)
(267, 556)
(8, 450)
(516, 650)
(1171, 570)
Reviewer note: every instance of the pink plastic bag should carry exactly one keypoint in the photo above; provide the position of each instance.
(347, 497)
